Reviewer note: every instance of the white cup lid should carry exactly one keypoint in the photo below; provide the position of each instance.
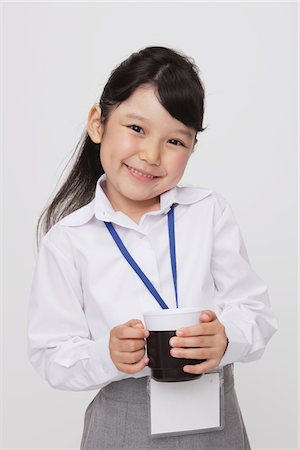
(171, 319)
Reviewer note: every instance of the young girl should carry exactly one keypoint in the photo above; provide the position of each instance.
(86, 327)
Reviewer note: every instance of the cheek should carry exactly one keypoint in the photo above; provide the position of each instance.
(116, 148)
(177, 165)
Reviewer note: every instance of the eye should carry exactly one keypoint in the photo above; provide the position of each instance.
(176, 142)
(136, 128)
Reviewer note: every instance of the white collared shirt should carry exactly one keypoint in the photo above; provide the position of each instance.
(83, 286)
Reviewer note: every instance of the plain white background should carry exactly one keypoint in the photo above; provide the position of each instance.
(56, 60)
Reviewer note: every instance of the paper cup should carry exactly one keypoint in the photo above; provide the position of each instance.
(162, 325)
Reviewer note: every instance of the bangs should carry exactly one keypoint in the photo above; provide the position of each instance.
(179, 95)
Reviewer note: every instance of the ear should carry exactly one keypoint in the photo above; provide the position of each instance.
(95, 126)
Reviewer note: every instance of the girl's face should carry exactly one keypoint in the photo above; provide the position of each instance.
(144, 150)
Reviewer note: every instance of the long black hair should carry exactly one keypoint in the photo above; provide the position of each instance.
(176, 79)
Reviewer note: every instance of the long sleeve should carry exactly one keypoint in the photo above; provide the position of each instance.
(59, 343)
(241, 296)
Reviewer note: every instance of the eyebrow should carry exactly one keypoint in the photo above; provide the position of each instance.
(179, 130)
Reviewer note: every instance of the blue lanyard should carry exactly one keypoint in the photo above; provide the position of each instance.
(136, 267)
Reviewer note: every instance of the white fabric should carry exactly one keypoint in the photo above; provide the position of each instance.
(83, 286)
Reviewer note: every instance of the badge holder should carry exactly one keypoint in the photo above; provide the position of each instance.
(186, 407)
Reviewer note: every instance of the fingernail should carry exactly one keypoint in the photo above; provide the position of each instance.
(172, 342)
(205, 316)
(174, 352)
(179, 333)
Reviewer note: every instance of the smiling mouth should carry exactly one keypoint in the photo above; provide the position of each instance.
(142, 174)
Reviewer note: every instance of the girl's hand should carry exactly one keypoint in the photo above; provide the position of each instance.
(127, 346)
(207, 341)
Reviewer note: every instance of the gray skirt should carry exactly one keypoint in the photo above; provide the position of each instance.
(117, 418)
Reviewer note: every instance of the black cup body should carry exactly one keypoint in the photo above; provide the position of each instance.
(164, 367)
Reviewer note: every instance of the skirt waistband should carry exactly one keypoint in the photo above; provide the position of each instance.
(134, 390)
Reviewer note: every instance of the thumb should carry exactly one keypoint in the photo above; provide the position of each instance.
(207, 316)
(135, 323)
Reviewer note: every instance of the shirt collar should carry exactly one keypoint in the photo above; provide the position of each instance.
(101, 208)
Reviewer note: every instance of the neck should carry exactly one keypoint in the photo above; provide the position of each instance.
(132, 208)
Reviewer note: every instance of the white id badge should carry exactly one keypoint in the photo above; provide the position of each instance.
(186, 407)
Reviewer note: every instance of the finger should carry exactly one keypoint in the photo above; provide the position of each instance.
(135, 323)
(133, 368)
(130, 357)
(193, 353)
(141, 327)
(138, 324)
(130, 332)
(197, 330)
(204, 367)
(207, 316)
(194, 341)
(130, 345)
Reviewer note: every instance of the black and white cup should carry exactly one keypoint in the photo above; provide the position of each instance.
(162, 325)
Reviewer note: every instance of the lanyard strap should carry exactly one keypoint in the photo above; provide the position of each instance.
(173, 249)
(137, 268)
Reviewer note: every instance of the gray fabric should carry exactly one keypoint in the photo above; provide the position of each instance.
(117, 418)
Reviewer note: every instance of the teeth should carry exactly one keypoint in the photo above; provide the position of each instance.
(140, 173)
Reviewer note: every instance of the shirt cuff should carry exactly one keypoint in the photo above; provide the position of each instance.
(237, 345)
(99, 365)
(82, 365)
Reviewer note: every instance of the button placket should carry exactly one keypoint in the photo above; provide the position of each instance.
(144, 255)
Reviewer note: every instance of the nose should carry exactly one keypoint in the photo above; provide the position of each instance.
(151, 154)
